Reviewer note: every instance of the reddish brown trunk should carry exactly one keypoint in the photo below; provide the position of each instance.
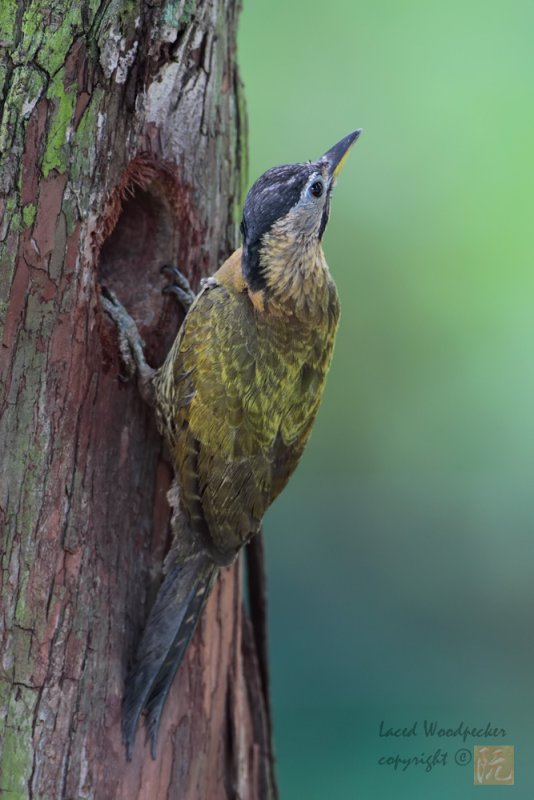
(122, 146)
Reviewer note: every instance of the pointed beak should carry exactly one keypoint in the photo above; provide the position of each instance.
(337, 155)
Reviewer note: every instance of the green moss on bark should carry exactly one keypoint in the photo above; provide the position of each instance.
(61, 27)
(8, 15)
(56, 152)
(16, 753)
(28, 214)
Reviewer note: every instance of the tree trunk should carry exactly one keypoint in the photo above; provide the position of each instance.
(122, 147)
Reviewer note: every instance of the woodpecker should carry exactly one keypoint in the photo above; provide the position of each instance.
(235, 400)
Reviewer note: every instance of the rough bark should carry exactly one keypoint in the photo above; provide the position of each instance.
(122, 148)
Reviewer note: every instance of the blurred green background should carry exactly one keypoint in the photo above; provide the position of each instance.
(400, 557)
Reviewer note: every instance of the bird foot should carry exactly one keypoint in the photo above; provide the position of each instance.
(179, 286)
(130, 343)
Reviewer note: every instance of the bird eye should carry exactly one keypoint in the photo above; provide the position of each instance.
(317, 188)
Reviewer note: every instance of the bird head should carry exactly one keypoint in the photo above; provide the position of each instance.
(292, 201)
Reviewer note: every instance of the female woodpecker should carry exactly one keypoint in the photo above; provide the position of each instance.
(235, 400)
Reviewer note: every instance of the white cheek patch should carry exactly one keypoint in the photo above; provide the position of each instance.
(308, 212)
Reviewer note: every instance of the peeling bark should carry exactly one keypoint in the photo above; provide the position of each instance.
(122, 148)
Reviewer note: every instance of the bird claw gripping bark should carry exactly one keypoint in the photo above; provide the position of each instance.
(130, 343)
(179, 287)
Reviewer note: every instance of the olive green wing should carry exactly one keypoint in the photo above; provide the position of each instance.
(221, 424)
(240, 407)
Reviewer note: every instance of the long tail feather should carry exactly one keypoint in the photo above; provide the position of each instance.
(170, 626)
